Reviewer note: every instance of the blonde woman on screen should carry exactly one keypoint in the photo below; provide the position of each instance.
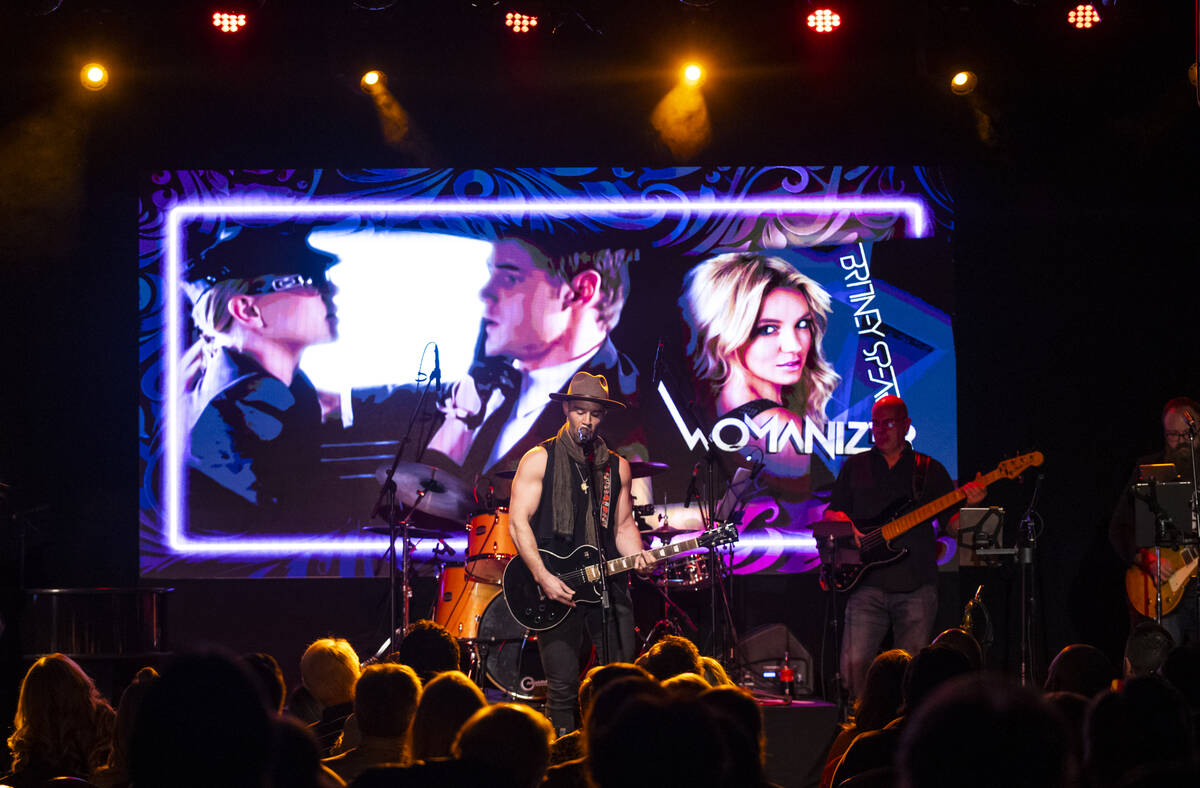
(756, 325)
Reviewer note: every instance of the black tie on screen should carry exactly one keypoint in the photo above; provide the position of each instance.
(508, 382)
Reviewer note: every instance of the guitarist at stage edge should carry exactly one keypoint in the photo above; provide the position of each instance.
(900, 595)
(553, 508)
(1182, 621)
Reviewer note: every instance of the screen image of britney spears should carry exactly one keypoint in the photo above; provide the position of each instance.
(300, 329)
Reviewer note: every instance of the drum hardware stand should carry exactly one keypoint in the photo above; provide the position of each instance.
(667, 624)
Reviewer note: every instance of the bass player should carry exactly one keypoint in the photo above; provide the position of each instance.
(902, 595)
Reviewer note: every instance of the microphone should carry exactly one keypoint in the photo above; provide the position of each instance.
(691, 488)
(654, 376)
(437, 366)
(585, 435)
(1191, 423)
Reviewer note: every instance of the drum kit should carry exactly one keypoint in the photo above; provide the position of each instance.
(470, 603)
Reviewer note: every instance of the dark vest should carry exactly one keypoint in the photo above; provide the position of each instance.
(542, 520)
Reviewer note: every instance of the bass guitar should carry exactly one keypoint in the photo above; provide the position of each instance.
(875, 548)
(582, 571)
(1140, 584)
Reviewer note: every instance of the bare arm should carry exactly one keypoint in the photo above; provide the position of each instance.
(526, 494)
(628, 538)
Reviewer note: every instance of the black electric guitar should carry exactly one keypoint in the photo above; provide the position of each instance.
(876, 549)
(583, 573)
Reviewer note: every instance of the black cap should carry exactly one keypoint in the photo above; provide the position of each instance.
(253, 252)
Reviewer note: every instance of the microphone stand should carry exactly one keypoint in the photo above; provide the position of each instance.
(386, 506)
(1027, 549)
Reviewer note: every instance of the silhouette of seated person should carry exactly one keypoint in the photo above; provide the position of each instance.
(328, 669)
(62, 726)
(115, 773)
(295, 761)
(568, 763)
(385, 700)
(1182, 669)
(1146, 649)
(1080, 668)
(447, 702)
(1144, 723)
(740, 719)
(203, 723)
(671, 656)
(428, 649)
(988, 732)
(931, 667)
(266, 672)
(655, 739)
(878, 705)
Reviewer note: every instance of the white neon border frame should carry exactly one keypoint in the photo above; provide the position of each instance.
(917, 223)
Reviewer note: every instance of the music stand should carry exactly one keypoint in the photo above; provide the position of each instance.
(1173, 498)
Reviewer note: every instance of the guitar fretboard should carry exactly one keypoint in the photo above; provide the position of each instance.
(625, 563)
(919, 515)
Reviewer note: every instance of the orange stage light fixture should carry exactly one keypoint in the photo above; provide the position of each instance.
(94, 76)
(1083, 16)
(520, 23)
(963, 83)
(693, 73)
(824, 20)
(228, 23)
(371, 80)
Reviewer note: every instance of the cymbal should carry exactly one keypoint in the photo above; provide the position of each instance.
(640, 470)
(414, 531)
(445, 495)
(666, 530)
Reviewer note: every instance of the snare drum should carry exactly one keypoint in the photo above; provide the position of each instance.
(489, 546)
(687, 573)
(461, 602)
(509, 653)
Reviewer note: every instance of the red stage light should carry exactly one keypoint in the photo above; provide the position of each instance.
(520, 23)
(1084, 17)
(824, 20)
(228, 23)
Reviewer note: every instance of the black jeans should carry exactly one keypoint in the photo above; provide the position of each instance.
(560, 648)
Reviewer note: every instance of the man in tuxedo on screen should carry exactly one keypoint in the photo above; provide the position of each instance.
(570, 491)
(549, 307)
(1181, 433)
(901, 596)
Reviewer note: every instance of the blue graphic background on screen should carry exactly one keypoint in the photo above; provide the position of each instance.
(406, 280)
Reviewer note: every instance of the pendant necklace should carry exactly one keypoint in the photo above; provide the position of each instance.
(583, 485)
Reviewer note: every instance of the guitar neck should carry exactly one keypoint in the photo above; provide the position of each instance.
(623, 564)
(917, 516)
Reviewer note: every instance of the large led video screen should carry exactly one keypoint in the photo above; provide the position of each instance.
(300, 329)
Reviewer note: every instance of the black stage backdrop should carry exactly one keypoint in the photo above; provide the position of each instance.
(1074, 257)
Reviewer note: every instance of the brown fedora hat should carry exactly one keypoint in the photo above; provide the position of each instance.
(591, 388)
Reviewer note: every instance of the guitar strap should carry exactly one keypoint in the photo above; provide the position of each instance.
(920, 472)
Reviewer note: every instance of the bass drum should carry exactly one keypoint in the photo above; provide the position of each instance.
(461, 602)
(509, 653)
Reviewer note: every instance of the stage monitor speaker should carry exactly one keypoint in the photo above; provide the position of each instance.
(760, 656)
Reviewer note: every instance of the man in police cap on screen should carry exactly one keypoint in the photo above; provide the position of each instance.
(251, 417)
